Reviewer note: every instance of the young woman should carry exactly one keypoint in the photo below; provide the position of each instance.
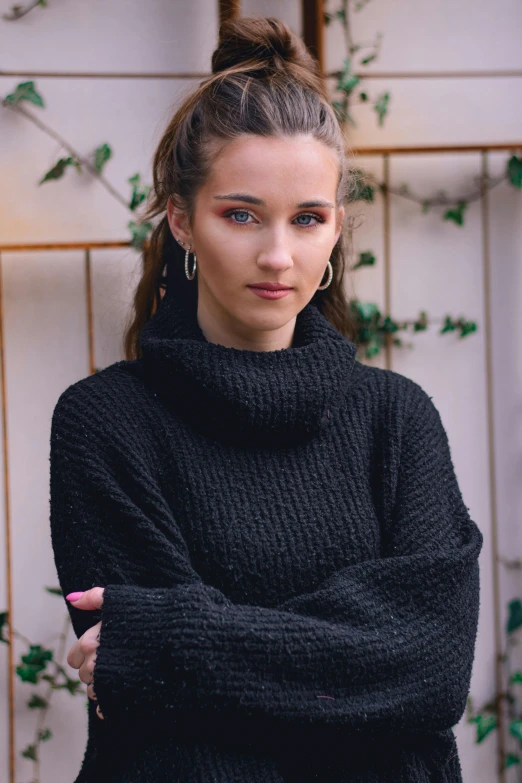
(275, 575)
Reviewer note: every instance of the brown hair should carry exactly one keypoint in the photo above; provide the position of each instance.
(264, 81)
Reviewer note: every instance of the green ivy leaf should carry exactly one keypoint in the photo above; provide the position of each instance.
(30, 753)
(366, 193)
(512, 759)
(38, 655)
(348, 83)
(44, 735)
(36, 702)
(25, 91)
(371, 329)
(54, 590)
(448, 325)
(139, 191)
(421, 324)
(363, 96)
(374, 347)
(389, 326)
(140, 232)
(467, 327)
(381, 106)
(367, 311)
(515, 615)
(101, 156)
(485, 725)
(3, 621)
(457, 214)
(369, 59)
(365, 259)
(59, 168)
(362, 190)
(347, 80)
(514, 171)
(515, 728)
(34, 662)
(516, 677)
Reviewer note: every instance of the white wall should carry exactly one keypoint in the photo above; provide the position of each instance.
(435, 265)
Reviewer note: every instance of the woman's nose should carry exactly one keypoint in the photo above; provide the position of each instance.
(276, 259)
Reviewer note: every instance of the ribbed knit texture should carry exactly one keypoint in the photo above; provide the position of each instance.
(291, 574)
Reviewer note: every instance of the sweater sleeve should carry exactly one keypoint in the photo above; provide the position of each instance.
(384, 645)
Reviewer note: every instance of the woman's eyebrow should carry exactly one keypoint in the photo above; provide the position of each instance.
(254, 200)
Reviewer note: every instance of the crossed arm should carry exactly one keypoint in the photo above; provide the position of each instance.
(385, 644)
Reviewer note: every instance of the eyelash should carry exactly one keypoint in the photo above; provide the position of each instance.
(245, 211)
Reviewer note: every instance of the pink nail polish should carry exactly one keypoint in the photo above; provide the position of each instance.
(74, 596)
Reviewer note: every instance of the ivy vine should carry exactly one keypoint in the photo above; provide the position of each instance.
(93, 163)
(347, 85)
(348, 80)
(485, 719)
(17, 11)
(43, 666)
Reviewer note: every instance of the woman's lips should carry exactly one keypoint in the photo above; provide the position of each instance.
(266, 293)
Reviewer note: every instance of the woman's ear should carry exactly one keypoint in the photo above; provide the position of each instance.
(340, 219)
(178, 223)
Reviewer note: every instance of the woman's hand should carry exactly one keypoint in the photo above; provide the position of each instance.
(82, 654)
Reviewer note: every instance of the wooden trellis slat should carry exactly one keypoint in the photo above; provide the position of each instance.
(313, 29)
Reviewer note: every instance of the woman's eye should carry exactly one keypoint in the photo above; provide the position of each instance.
(243, 215)
(307, 215)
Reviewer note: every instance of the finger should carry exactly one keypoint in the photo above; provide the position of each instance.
(76, 656)
(84, 646)
(90, 599)
(90, 641)
(85, 673)
(99, 713)
(91, 692)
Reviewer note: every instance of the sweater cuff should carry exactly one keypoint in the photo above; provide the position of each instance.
(141, 661)
(144, 669)
(131, 635)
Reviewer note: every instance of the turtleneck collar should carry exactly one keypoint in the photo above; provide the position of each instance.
(243, 396)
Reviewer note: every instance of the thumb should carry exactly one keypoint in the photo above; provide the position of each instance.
(90, 599)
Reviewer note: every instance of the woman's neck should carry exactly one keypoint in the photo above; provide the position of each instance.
(218, 327)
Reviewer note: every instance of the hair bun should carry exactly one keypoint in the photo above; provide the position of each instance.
(260, 41)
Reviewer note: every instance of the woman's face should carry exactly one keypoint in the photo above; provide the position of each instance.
(266, 214)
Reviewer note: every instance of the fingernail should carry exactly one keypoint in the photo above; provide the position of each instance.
(74, 596)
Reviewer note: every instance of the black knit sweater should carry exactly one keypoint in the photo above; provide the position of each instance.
(291, 574)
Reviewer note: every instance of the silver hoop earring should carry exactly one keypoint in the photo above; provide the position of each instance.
(330, 277)
(192, 276)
